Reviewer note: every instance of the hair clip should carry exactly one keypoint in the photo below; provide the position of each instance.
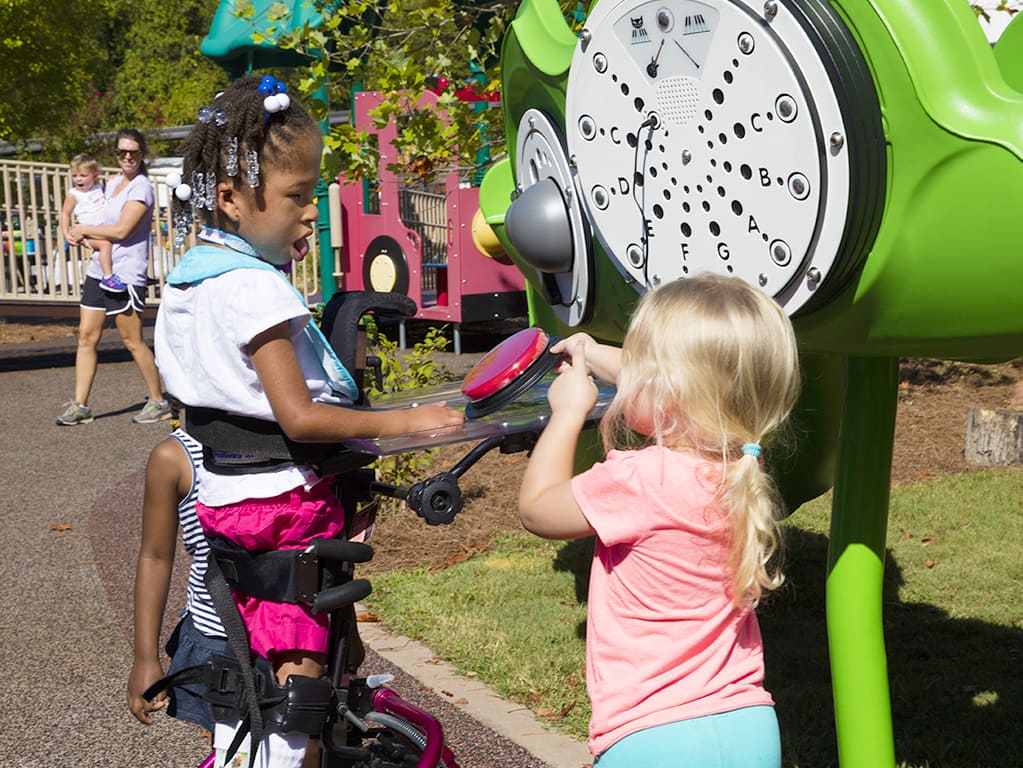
(277, 98)
(277, 102)
(198, 188)
(231, 167)
(252, 167)
(211, 191)
(182, 218)
(182, 192)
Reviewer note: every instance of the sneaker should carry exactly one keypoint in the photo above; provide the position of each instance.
(153, 410)
(113, 284)
(75, 414)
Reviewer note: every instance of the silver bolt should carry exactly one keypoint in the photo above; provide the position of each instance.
(762, 279)
(687, 157)
(799, 186)
(837, 141)
(531, 122)
(600, 62)
(635, 255)
(600, 197)
(746, 43)
(813, 276)
(587, 127)
(781, 254)
(571, 162)
(655, 279)
(786, 108)
(771, 9)
(585, 36)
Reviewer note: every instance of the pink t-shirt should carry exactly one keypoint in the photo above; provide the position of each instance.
(664, 641)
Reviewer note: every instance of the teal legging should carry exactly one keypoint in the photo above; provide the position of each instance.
(742, 738)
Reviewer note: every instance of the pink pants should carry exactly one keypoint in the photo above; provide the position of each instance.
(288, 521)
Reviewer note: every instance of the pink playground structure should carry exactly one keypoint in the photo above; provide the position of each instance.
(418, 239)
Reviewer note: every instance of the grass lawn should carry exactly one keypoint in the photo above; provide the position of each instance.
(953, 617)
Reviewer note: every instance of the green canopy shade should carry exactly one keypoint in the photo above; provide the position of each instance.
(230, 40)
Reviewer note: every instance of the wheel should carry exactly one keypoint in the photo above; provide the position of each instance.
(384, 267)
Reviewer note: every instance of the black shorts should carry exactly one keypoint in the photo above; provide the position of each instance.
(94, 297)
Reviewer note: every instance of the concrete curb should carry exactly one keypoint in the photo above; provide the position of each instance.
(511, 720)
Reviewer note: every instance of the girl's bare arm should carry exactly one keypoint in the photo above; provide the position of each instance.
(547, 506)
(131, 215)
(167, 463)
(304, 420)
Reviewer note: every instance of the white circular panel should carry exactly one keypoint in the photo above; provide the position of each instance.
(701, 137)
(540, 154)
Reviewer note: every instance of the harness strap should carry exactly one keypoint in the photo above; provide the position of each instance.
(302, 704)
(288, 575)
(238, 640)
(229, 432)
(234, 444)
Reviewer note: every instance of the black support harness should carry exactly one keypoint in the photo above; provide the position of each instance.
(319, 576)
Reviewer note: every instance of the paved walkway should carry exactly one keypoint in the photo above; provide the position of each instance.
(69, 511)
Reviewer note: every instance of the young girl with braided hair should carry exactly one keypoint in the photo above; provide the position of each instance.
(232, 334)
(685, 519)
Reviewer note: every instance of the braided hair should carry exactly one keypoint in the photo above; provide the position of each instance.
(251, 125)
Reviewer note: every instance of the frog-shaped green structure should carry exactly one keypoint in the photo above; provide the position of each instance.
(858, 160)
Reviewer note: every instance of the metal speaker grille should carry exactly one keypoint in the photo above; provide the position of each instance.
(678, 99)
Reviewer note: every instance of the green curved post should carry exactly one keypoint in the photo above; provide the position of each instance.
(859, 520)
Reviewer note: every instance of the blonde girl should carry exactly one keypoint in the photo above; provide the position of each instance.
(685, 519)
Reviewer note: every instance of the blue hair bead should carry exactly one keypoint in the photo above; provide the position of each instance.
(267, 84)
(751, 449)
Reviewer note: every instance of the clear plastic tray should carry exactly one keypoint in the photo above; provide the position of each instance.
(528, 413)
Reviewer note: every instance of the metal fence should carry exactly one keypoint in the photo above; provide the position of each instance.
(39, 267)
(425, 212)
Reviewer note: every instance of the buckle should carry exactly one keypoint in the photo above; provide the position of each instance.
(307, 576)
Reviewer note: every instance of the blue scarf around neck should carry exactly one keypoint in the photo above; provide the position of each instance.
(206, 261)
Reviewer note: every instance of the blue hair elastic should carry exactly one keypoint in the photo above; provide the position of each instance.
(751, 449)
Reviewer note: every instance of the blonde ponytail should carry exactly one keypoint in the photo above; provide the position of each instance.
(751, 498)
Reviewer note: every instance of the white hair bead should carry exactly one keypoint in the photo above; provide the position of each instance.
(183, 192)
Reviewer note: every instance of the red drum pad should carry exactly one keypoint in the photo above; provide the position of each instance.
(508, 370)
